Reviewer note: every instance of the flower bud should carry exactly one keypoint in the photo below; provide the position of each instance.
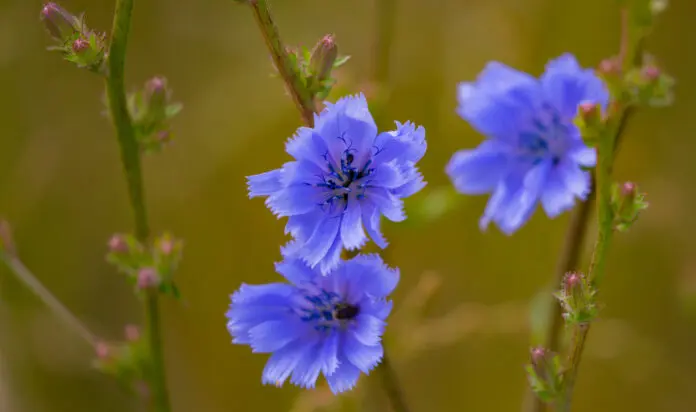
(132, 333)
(156, 91)
(102, 350)
(148, 278)
(58, 22)
(577, 297)
(544, 373)
(627, 203)
(80, 45)
(609, 67)
(323, 57)
(118, 244)
(590, 122)
(650, 73)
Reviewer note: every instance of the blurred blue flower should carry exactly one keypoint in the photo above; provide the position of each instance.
(533, 151)
(330, 324)
(345, 176)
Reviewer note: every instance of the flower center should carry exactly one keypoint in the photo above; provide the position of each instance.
(344, 179)
(547, 138)
(327, 311)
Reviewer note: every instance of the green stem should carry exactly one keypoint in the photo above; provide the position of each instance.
(384, 38)
(130, 158)
(300, 94)
(32, 283)
(605, 215)
(391, 385)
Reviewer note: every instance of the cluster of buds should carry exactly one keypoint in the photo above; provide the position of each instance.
(627, 203)
(648, 85)
(74, 40)
(127, 361)
(578, 299)
(151, 111)
(545, 374)
(148, 268)
(315, 67)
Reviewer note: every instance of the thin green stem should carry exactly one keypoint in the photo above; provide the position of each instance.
(391, 385)
(300, 94)
(385, 11)
(130, 158)
(32, 283)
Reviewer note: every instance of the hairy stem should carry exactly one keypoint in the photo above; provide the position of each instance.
(130, 158)
(300, 94)
(25, 276)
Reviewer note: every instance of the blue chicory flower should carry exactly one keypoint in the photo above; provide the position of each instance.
(330, 324)
(533, 152)
(345, 176)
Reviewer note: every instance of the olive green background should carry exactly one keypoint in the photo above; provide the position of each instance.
(62, 189)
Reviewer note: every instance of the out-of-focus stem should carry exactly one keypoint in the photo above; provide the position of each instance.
(300, 94)
(385, 18)
(130, 158)
(32, 283)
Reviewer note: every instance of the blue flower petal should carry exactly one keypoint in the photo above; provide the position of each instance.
(361, 356)
(295, 271)
(317, 246)
(371, 218)
(329, 354)
(391, 206)
(294, 200)
(556, 198)
(344, 378)
(368, 330)
(307, 369)
(477, 171)
(273, 335)
(281, 364)
(352, 233)
(583, 155)
(374, 277)
(566, 85)
(264, 184)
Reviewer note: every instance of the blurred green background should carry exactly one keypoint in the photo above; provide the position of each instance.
(62, 189)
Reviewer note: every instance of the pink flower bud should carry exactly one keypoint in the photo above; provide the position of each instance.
(102, 350)
(58, 22)
(80, 45)
(148, 278)
(118, 244)
(132, 333)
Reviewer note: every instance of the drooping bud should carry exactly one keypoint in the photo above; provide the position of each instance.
(545, 374)
(627, 203)
(58, 22)
(323, 58)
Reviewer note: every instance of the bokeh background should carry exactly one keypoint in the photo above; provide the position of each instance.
(464, 309)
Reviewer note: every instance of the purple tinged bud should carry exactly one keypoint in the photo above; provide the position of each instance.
(132, 333)
(572, 282)
(102, 350)
(80, 45)
(148, 278)
(609, 67)
(628, 189)
(538, 354)
(118, 244)
(58, 22)
(650, 73)
(323, 57)
(156, 92)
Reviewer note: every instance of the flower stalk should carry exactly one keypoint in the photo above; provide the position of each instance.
(132, 167)
(298, 91)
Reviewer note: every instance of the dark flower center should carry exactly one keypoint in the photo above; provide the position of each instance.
(547, 138)
(327, 311)
(345, 179)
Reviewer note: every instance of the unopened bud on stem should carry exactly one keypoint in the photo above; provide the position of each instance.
(148, 278)
(58, 22)
(323, 57)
